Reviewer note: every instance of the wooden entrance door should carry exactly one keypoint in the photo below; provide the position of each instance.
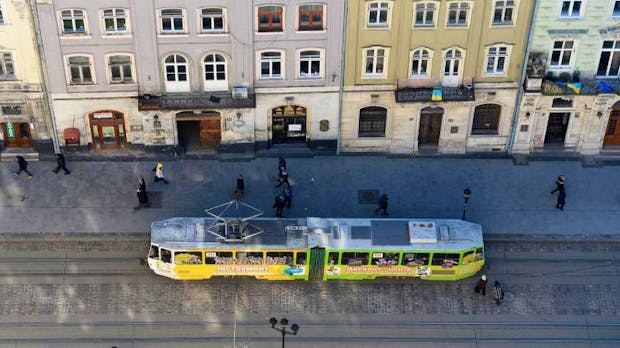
(17, 134)
(556, 127)
(210, 132)
(612, 134)
(430, 128)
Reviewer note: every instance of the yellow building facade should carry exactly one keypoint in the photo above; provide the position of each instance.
(24, 115)
(436, 76)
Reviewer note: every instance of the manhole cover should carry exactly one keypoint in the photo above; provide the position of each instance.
(367, 196)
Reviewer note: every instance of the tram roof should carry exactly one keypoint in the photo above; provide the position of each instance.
(330, 233)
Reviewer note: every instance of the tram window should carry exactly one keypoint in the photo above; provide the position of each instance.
(219, 258)
(385, 259)
(416, 259)
(355, 259)
(468, 257)
(279, 258)
(188, 257)
(479, 254)
(154, 252)
(445, 260)
(249, 258)
(333, 258)
(302, 258)
(166, 255)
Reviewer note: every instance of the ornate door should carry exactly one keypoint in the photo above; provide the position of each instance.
(17, 134)
(210, 132)
(612, 133)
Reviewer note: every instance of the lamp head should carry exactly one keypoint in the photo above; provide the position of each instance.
(283, 321)
(467, 193)
(273, 321)
(295, 328)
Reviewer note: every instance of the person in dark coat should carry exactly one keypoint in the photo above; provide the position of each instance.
(279, 202)
(288, 196)
(481, 285)
(60, 159)
(143, 199)
(559, 183)
(23, 166)
(561, 200)
(283, 178)
(281, 164)
(383, 204)
(498, 292)
(240, 184)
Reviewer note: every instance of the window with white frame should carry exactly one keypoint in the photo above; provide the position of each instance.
(215, 68)
(378, 14)
(375, 62)
(176, 68)
(115, 21)
(457, 14)
(420, 63)
(73, 21)
(212, 20)
(425, 14)
(571, 9)
(271, 65)
(497, 59)
(80, 70)
(171, 20)
(561, 54)
(503, 12)
(310, 17)
(7, 69)
(310, 64)
(2, 19)
(270, 18)
(120, 69)
(609, 62)
(615, 9)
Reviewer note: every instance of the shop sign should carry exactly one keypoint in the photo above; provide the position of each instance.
(100, 115)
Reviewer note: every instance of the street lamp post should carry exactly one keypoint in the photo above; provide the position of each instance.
(466, 195)
(284, 323)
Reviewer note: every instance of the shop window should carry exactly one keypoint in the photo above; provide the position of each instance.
(355, 259)
(385, 258)
(188, 258)
(445, 260)
(415, 259)
(486, 119)
(219, 258)
(279, 258)
(166, 255)
(372, 121)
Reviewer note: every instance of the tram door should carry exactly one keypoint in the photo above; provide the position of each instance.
(317, 260)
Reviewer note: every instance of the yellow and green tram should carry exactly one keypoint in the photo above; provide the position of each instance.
(316, 248)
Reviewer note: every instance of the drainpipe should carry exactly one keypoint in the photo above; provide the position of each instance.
(528, 46)
(341, 90)
(37, 34)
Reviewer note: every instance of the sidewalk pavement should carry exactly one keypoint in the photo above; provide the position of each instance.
(507, 200)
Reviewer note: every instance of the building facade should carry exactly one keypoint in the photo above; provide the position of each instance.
(441, 76)
(224, 75)
(571, 98)
(24, 114)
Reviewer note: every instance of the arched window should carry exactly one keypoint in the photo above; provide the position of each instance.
(215, 77)
(177, 80)
(372, 121)
(420, 63)
(486, 119)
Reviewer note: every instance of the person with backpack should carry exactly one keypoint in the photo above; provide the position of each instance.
(159, 173)
(498, 292)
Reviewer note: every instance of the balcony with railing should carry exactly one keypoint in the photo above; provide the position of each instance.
(431, 90)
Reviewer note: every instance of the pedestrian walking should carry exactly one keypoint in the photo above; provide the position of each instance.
(279, 202)
(23, 166)
(143, 199)
(159, 173)
(383, 204)
(60, 160)
(281, 164)
(288, 196)
(283, 178)
(240, 187)
(559, 183)
(498, 293)
(561, 200)
(481, 285)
